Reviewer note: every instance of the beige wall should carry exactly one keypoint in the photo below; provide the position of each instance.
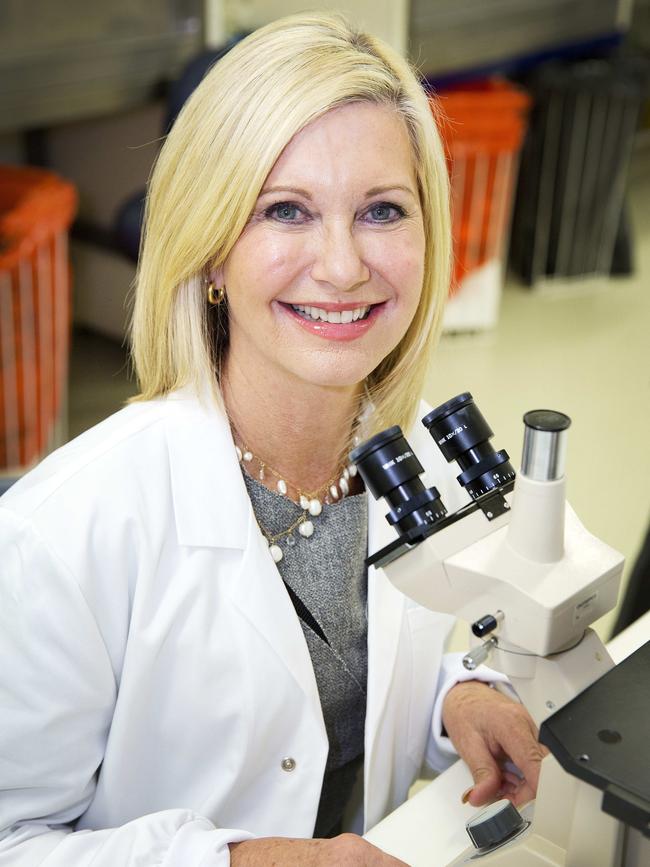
(387, 19)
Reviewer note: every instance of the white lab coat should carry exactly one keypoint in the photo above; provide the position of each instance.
(154, 675)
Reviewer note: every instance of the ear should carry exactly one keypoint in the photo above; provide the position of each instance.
(217, 276)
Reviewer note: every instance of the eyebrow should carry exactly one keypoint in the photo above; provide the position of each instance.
(297, 190)
(389, 188)
(374, 191)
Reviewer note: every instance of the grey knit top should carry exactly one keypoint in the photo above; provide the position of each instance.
(326, 578)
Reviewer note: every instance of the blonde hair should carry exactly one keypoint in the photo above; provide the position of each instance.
(210, 172)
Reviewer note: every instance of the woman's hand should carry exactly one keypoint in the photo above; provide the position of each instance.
(346, 850)
(489, 729)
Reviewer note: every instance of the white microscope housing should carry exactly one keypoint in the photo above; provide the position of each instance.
(518, 566)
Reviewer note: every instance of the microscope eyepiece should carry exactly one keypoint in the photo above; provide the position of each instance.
(390, 469)
(544, 444)
(462, 434)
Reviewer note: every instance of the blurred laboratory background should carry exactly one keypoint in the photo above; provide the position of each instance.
(546, 121)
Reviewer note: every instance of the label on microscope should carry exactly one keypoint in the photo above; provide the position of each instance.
(584, 607)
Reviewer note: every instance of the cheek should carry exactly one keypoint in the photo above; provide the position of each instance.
(400, 261)
(263, 259)
(410, 268)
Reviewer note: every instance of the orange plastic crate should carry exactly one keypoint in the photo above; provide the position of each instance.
(483, 124)
(36, 210)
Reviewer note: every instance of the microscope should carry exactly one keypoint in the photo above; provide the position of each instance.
(520, 568)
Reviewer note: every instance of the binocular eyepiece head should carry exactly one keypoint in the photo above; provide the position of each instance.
(391, 470)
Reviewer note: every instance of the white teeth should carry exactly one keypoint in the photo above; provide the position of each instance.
(334, 316)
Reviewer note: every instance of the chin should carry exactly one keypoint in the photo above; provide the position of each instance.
(335, 373)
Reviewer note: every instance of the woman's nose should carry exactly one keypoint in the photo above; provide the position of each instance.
(339, 258)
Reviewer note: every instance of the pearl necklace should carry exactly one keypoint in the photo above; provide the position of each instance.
(333, 491)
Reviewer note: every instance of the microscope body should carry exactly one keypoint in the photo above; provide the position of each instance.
(543, 644)
(520, 560)
(472, 568)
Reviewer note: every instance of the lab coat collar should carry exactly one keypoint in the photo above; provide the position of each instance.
(211, 506)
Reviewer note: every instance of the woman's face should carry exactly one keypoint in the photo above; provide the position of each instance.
(325, 278)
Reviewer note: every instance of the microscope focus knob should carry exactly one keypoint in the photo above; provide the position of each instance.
(487, 624)
(495, 825)
(478, 655)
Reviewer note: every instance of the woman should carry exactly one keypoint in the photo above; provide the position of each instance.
(196, 667)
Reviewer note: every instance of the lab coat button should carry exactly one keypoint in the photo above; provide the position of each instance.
(288, 764)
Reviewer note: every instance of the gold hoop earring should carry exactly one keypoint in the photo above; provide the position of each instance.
(216, 296)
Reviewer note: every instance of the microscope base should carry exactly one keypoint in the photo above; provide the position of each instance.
(599, 846)
(429, 831)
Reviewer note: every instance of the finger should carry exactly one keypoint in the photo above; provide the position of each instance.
(484, 769)
(527, 754)
(524, 794)
(509, 767)
(511, 779)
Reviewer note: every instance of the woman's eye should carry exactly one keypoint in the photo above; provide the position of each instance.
(285, 212)
(384, 212)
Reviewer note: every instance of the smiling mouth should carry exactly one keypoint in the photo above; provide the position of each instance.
(344, 317)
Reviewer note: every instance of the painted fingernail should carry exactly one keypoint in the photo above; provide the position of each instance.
(464, 798)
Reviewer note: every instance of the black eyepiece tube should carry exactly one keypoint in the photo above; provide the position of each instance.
(390, 469)
(462, 434)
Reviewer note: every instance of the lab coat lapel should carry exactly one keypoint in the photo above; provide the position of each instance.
(261, 596)
(212, 508)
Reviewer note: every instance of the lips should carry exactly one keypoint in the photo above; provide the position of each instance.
(334, 321)
(320, 314)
